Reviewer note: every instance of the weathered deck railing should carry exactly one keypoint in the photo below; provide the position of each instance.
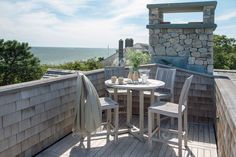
(225, 91)
(35, 114)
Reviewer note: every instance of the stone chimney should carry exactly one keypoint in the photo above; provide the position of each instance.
(188, 45)
(121, 52)
(129, 42)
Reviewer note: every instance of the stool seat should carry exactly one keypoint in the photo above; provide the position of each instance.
(108, 103)
(166, 108)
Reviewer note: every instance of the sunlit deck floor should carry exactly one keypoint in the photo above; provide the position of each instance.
(201, 143)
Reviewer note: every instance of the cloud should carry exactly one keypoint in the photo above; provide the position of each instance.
(46, 29)
(226, 16)
(41, 26)
(75, 23)
(65, 7)
(229, 30)
(124, 9)
(133, 9)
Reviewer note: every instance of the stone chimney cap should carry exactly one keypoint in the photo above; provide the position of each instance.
(182, 7)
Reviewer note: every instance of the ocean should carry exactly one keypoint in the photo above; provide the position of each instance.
(60, 55)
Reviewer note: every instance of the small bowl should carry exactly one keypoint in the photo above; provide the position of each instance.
(120, 80)
(113, 79)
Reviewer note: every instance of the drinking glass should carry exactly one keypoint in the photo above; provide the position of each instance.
(144, 75)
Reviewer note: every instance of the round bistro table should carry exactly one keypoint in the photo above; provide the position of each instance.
(151, 85)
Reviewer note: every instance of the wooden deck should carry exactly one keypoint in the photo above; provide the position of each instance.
(201, 143)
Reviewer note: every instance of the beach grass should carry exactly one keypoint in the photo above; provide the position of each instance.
(90, 64)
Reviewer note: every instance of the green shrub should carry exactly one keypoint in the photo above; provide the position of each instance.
(90, 64)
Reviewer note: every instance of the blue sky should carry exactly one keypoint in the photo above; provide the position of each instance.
(93, 23)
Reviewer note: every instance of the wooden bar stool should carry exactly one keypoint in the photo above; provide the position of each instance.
(172, 110)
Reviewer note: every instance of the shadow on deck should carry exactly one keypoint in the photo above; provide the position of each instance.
(201, 143)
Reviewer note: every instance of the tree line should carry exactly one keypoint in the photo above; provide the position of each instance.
(224, 52)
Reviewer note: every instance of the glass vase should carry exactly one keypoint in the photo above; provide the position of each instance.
(135, 76)
(130, 75)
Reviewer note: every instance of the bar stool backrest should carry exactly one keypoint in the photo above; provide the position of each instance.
(184, 93)
(167, 75)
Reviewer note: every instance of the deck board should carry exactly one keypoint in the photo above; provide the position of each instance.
(201, 143)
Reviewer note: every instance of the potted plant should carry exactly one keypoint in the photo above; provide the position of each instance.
(135, 59)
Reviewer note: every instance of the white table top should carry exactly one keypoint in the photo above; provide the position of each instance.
(151, 84)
